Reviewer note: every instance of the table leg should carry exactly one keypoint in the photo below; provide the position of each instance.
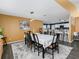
(43, 52)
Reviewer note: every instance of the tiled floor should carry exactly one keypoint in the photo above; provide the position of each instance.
(7, 54)
(21, 51)
(75, 52)
(73, 55)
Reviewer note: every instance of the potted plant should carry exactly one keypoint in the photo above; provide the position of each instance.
(1, 35)
(1, 42)
(1, 32)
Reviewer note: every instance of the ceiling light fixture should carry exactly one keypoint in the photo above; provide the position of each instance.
(31, 12)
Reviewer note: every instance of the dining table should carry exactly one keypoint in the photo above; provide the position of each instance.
(45, 40)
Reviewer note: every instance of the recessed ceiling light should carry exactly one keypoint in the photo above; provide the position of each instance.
(31, 12)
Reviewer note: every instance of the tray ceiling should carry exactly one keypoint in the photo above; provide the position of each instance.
(46, 10)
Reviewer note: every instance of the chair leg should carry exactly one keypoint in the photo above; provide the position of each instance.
(38, 51)
(43, 52)
(58, 50)
(52, 54)
(28, 45)
(34, 48)
(31, 46)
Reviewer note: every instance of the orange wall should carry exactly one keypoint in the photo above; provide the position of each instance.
(77, 24)
(36, 25)
(11, 27)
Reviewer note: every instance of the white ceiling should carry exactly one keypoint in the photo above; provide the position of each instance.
(46, 10)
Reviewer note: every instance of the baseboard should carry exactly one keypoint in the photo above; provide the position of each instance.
(15, 42)
(67, 41)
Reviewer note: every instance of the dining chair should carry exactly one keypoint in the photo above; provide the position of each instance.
(37, 45)
(76, 35)
(54, 45)
(29, 39)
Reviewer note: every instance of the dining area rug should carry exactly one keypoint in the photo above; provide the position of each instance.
(21, 51)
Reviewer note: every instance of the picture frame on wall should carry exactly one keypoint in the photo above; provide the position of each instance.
(24, 25)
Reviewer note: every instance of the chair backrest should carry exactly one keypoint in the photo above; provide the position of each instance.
(28, 36)
(31, 34)
(36, 38)
(53, 32)
(58, 35)
(75, 33)
(55, 38)
(78, 33)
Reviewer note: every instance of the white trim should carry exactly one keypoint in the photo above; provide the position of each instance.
(15, 42)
